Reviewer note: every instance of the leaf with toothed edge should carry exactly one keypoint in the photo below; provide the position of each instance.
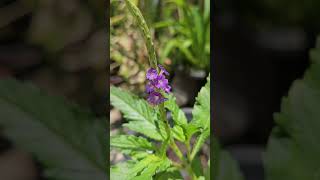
(69, 142)
(294, 145)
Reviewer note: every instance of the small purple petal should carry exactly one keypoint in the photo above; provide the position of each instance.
(152, 74)
(163, 70)
(150, 87)
(167, 89)
(156, 98)
(161, 82)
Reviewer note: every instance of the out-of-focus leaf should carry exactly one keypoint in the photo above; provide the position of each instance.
(69, 142)
(225, 168)
(163, 24)
(207, 171)
(168, 48)
(206, 12)
(294, 144)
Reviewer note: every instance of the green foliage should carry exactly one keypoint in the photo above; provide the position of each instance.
(178, 117)
(143, 169)
(201, 117)
(147, 120)
(189, 33)
(138, 112)
(225, 168)
(201, 109)
(61, 136)
(294, 143)
(131, 142)
(177, 114)
(169, 174)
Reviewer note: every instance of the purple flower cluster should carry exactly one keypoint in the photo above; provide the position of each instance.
(157, 83)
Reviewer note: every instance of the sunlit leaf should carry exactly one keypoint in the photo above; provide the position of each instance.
(138, 112)
(130, 142)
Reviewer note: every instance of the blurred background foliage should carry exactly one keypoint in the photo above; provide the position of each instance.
(62, 48)
(59, 45)
(260, 48)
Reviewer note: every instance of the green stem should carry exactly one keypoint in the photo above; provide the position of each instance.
(188, 150)
(167, 129)
(177, 151)
(186, 163)
(134, 10)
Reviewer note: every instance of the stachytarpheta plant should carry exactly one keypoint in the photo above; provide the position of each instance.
(155, 134)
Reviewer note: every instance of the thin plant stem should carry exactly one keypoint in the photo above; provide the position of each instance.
(142, 25)
(188, 150)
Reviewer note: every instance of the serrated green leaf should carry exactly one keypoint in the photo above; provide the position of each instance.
(139, 166)
(130, 142)
(294, 144)
(119, 171)
(136, 155)
(143, 169)
(169, 174)
(201, 109)
(177, 114)
(200, 141)
(190, 130)
(150, 171)
(62, 136)
(149, 130)
(143, 118)
(131, 106)
(178, 133)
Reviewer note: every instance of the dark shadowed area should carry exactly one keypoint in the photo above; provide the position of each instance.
(260, 48)
(53, 89)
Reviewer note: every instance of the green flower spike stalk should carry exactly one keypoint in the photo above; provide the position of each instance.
(134, 10)
(142, 25)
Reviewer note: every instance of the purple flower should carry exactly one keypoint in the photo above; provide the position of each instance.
(152, 74)
(167, 89)
(150, 87)
(161, 82)
(157, 83)
(156, 98)
(163, 70)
